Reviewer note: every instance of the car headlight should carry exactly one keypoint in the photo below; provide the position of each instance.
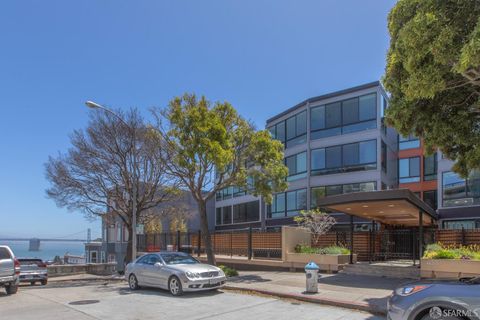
(409, 290)
(221, 273)
(192, 275)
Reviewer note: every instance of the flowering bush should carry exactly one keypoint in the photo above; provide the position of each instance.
(440, 251)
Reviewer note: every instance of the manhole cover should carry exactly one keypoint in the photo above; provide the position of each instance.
(82, 302)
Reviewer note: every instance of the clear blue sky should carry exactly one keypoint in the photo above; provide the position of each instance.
(262, 56)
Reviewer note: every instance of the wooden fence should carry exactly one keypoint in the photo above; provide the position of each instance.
(401, 244)
(249, 243)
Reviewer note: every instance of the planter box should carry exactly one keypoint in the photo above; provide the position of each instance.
(326, 262)
(449, 268)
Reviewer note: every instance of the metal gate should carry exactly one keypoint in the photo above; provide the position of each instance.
(398, 243)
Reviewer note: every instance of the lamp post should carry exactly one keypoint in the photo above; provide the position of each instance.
(94, 105)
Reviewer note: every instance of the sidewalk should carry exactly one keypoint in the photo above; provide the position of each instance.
(365, 293)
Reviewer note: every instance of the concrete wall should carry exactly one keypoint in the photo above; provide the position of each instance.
(69, 269)
(291, 236)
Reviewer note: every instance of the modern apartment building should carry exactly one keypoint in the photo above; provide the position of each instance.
(459, 199)
(417, 171)
(337, 143)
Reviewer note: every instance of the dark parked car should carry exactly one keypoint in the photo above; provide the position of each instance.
(437, 300)
(33, 270)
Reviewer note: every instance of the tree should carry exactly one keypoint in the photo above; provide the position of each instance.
(96, 175)
(318, 222)
(178, 223)
(154, 225)
(213, 147)
(433, 75)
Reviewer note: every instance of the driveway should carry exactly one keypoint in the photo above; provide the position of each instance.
(113, 300)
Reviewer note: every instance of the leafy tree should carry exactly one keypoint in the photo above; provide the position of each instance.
(154, 225)
(318, 222)
(211, 147)
(178, 223)
(433, 75)
(96, 175)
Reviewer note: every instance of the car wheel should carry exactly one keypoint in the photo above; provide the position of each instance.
(133, 282)
(44, 282)
(175, 286)
(11, 289)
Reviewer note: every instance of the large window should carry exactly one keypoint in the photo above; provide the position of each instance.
(218, 216)
(384, 156)
(292, 131)
(297, 166)
(430, 167)
(430, 198)
(345, 158)
(318, 193)
(278, 131)
(223, 215)
(246, 212)
(343, 117)
(460, 192)
(461, 224)
(227, 215)
(409, 170)
(287, 204)
(408, 142)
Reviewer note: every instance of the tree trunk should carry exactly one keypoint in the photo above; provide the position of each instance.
(202, 208)
(128, 255)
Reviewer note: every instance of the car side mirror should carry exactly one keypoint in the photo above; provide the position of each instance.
(158, 264)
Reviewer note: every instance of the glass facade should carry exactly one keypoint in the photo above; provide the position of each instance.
(287, 204)
(297, 166)
(430, 198)
(317, 193)
(409, 170)
(246, 212)
(344, 158)
(292, 131)
(343, 117)
(409, 142)
(460, 192)
(430, 167)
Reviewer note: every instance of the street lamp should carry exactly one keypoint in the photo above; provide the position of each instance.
(94, 105)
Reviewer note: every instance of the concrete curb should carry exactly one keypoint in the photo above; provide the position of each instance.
(305, 298)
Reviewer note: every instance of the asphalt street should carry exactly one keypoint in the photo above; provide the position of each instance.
(97, 300)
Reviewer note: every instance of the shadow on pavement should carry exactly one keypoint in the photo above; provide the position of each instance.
(365, 282)
(125, 290)
(250, 278)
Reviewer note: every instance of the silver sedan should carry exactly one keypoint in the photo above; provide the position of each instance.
(175, 271)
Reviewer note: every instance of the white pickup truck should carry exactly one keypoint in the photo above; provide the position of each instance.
(9, 270)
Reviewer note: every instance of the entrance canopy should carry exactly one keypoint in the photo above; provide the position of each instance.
(392, 207)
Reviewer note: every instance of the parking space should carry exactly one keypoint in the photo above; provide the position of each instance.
(97, 300)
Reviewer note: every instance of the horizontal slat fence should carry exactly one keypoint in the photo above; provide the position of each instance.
(247, 243)
(395, 244)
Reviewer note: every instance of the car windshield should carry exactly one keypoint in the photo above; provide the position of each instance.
(175, 258)
(475, 280)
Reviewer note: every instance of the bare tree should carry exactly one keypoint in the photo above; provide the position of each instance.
(318, 222)
(98, 173)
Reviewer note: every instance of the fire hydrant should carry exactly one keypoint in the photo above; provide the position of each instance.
(311, 272)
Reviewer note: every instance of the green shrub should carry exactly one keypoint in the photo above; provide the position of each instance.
(229, 272)
(439, 251)
(299, 248)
